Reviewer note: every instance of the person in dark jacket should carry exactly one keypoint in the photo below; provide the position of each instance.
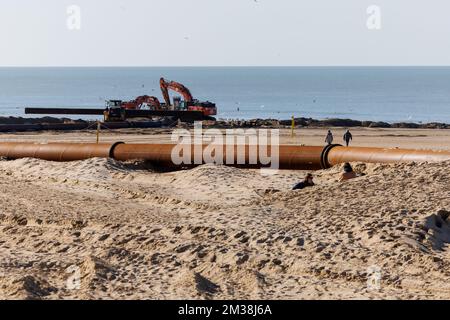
(307, 182)
(347, 137)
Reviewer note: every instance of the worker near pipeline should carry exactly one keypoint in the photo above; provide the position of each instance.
(307, 182)
(329, 139)
(347, 137)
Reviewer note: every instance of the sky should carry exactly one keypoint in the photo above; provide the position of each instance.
(224, 33)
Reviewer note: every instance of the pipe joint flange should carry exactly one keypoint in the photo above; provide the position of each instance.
(324, 156)
(113, 147)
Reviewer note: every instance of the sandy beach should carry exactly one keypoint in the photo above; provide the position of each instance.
(101, 229)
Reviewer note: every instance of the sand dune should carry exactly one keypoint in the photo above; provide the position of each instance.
(217, 232)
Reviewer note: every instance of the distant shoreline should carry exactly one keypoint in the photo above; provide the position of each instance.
(333, 122)
(255, 123)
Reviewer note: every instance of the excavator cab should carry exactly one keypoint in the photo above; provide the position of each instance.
(179, 104)
(114, 111)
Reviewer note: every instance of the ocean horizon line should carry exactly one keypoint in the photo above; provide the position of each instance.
(231, 66)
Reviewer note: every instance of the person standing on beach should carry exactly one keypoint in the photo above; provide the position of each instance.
(347, 137)
(329, 138)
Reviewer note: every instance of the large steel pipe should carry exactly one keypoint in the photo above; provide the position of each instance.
(288, 157)
(339, 154)
(56, 151)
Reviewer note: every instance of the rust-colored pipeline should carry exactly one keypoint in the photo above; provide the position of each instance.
(290, 156)
(339, 154)
(56, 151)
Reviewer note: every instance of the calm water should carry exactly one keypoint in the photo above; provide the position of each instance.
(388, 94)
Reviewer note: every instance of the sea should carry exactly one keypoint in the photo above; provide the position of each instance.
(390, 94)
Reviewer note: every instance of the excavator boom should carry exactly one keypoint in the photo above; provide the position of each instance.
(165, 91)
(177, 87)
(192, 104)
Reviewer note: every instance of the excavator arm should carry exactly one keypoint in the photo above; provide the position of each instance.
(177, 87)
(165, 91)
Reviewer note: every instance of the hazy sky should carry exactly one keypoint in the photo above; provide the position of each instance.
(224, 33)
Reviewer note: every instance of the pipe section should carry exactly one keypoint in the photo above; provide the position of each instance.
(289, 156)
(339, 154)
(56, 151)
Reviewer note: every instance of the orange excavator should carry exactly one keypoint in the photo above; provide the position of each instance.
(189, 103)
